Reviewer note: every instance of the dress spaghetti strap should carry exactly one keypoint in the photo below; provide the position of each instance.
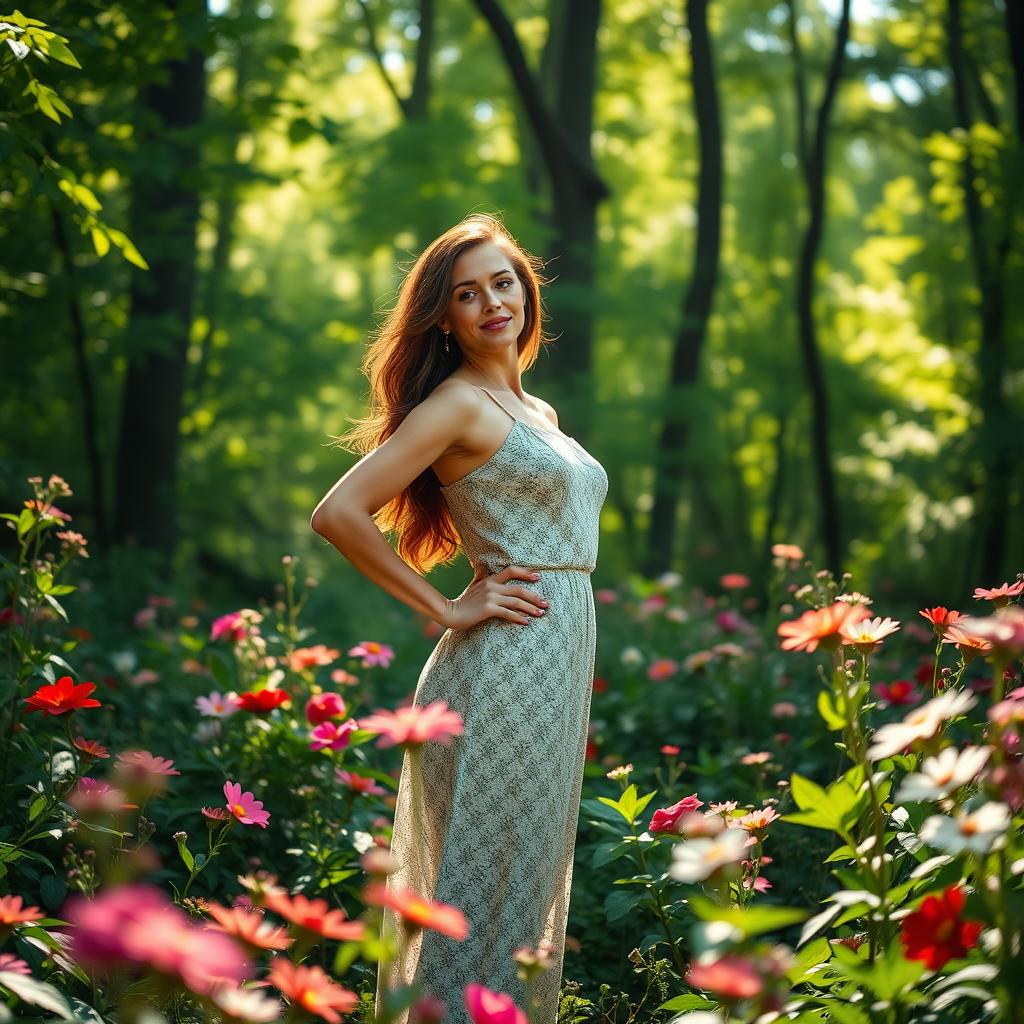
(495, 400)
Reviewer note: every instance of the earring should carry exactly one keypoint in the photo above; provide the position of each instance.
(447, 350)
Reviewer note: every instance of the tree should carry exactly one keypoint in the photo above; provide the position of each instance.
(165, 208)
(698, 298)
(812, 154)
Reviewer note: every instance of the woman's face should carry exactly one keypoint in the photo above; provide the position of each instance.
(485, 310)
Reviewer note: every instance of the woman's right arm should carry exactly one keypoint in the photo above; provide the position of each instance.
(344, 517)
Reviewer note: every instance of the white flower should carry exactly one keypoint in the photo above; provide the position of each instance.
(669, 580)
(246, 1004)
(921, 724)
(206, 732)
(124, 661)
(944, 774)
(677, 614)
(697, 859)
(362, 841)
(217, 705)
(632, 656)
(977, 832)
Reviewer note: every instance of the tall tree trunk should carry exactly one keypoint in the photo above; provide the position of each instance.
(562, 137)
(414, 105)
(86, 386)
(685, 367)
(165, 207)
(997, 445)
(812, 161)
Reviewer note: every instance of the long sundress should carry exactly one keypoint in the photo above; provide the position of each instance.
(489, 823)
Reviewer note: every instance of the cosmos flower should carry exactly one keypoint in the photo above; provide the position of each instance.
(944, 774)
(820, 627)
(62, 696)
(975, 831)
(311, 990)
(372, 653)
(414, 724)
(921, 724)
(244, 806)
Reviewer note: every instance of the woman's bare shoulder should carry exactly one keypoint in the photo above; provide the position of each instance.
(545, 409)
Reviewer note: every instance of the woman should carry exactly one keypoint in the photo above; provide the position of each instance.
(460, 454)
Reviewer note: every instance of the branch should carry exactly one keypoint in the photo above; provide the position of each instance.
(371, 31)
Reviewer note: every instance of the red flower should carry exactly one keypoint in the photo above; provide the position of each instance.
(670, 749)
(730, 978)
(600, 685)
(666, 819)
(62, 696)
(936, 933)
(734, 581)
(898, 693)
(940, 618)
(314, 916)
(261, 701)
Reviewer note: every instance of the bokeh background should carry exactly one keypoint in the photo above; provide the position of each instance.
(782, 239)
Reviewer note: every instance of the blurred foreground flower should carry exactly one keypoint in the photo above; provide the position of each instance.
(487, 1007)
(921, 724)
(698, 859)
(414, 724)
(416, 911)
(936, 933)
(311, 989)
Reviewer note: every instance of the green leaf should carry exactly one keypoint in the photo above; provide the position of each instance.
(690, 1001)
(819, 922)
(749, 921)
(36, 807)
(57, 48)
(100, 241)
(186, 855)
(619, 903)
(38, 993)
(127, 247)
(828, 711)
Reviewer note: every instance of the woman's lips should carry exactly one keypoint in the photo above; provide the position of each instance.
(497, 325)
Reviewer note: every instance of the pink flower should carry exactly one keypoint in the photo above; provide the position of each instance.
(136, 924)
(667, 818)
(244, 806)
(359, 783)
(662, 668)
(144, 617)
(785, 709)
(734, 581)
(332, 734)
(372, 653)
(144, 677)
(322, 707)
(10, 963)
(140, 764)
(217, 705)
(730, 978)
(487, 1007)
(343, 678)
(414, 724)
(606, 596)
(93, 796)
(232, 627)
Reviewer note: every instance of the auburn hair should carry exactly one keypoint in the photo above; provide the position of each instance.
(406, 359)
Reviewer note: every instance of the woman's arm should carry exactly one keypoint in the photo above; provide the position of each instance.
(344, 515)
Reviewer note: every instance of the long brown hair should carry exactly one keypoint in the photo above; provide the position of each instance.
(406, 360)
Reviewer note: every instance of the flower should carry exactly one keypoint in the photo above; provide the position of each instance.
(788, 551)
(13, 965)
(978, 831)
(144, 618)
(620, 772)
(698, 859)
(605, 595)
(416, 911)
(940, 618)
(868, 634)
(631, 657)
(232, 626)
(734, 581)
(244, 806)
(249, 926)
(332, 735)
(414, 724)
(730, 978)
(215, 813)
(358, 783)
(666, 819)
(218, 705)
(669, 750)
(898, 693)
(921, 724)
(936, 933)
(343, 678)
(91, 748)
(756, 822)
(944, 774)
(966, 643)
(12, 912)
(62, 696)
(697, 661)
(756, 757)
(820, 627)
(144, 677)
(487, 1007)
(1004, 631)
(599, 684)
(311, 989)
(93, 796)
(1000, 595)
(314, 915)
(311, 657)
(74, 542)
(322, 707)
(138, 925)
(262, 701)
(47, 511)
(141, 765)
(372, 653)
(662, 668)
(245, 1004)
(428, 1009)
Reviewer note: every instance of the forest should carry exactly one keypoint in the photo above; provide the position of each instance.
(783, 287)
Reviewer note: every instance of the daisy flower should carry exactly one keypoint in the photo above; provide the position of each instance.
(974, 831)
(944, 774)
(921, 724)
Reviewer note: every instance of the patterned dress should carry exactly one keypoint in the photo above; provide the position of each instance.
(489, 823)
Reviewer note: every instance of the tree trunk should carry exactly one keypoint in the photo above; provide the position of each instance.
(562, 137)
(997, 445)
(812, 161)
(685, 367)
(165, 206)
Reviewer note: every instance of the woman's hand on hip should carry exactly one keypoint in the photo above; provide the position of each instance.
(494, 596)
